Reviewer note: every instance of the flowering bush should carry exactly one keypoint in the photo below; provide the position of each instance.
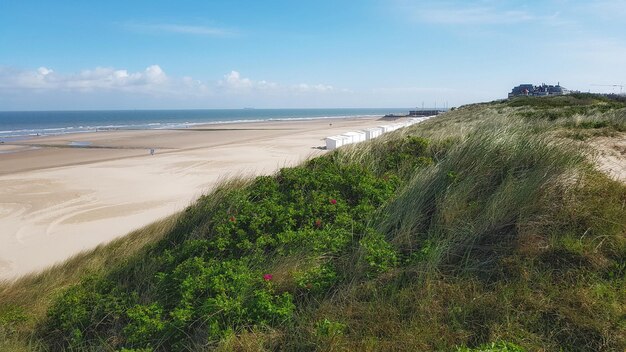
(207, 277)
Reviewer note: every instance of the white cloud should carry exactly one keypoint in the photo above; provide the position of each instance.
(476, 15)
(484, 14)
(152, 79)
(44, 71)
(177, 29)
(234, 81)
(303, 87)
(265, 85)
(609, 9)
(154, 74)
(107, 85)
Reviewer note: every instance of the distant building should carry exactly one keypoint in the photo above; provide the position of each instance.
(538, 91)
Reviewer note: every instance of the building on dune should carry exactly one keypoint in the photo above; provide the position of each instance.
(538, 91)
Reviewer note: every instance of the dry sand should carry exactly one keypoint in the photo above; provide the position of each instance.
(57, 200)
(611, 155)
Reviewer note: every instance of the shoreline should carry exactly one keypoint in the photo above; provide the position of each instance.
(62, 199)
(25, 132)
(20, 140)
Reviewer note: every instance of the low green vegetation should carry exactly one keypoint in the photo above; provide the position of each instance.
(493, 347)
(219, 272)
(486, 229)
(583, 115)
(569, 101)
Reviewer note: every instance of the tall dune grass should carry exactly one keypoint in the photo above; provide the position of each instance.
(485, 228)
(472, 201)
(25, 300)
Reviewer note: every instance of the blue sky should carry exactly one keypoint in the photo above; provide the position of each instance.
(232, 54)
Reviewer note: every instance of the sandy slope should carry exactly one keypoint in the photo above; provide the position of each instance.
(611, 155)
(56, 201)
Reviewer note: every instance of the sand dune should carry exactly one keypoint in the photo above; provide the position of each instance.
(58, 200)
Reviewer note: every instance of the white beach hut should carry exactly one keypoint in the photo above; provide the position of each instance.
(334, 142)
(346, 139)
(413, 121)
(404, 124)
(385, 128)
(394, 127)
(355, 136)
(371, 133)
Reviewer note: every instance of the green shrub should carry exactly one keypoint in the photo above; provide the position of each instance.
(207, 279)
(493, 347)
(328, 328)
(84, 310)
(11, 319)
(378, 254)
(318, 279)
(145, 324)
(492, 229)
(406, 154)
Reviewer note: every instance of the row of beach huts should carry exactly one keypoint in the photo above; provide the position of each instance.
(334, 142)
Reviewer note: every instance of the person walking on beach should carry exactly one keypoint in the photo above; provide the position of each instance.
(151, 151)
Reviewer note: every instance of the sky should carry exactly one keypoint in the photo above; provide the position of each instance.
(84, 55)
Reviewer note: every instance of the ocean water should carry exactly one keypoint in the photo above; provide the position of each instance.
(24, 124)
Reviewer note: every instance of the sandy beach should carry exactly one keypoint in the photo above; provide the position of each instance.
(65, 194)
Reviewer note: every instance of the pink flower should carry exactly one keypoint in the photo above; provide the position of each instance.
(333, 201)
(267, 277)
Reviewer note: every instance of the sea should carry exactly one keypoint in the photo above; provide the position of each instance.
(16, 125)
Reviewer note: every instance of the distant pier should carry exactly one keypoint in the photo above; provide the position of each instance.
(414, 113)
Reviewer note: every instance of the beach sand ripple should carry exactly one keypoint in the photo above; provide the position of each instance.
(59, 198)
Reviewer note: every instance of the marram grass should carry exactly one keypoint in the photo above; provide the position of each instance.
(485, 229)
